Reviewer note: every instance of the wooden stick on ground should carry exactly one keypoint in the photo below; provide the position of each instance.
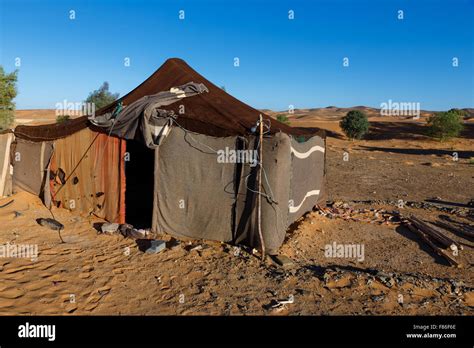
(435, 234)
(437, 250)
(456, 228)
(442, 231)
(467, 226)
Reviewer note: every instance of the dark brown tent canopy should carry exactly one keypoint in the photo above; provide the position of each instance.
(216, 113)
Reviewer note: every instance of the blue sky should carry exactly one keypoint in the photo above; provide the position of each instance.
(282, 61)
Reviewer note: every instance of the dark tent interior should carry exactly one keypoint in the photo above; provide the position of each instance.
(139, 173)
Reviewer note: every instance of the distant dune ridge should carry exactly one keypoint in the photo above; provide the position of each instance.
(37, 116)
(329, 113)
(334, 113)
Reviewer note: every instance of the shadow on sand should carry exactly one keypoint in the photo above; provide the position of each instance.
(407, 131)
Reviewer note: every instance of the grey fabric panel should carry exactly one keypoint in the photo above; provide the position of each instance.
(307, 176)
(5, 175)
(194, 194)
(31, 160)
(276, 184)
(277, 166)
(143, 119)
(187, 172)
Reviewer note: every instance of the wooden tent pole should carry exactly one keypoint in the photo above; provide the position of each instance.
(262, 242)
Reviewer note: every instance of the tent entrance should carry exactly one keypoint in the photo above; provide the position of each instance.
(139, 174)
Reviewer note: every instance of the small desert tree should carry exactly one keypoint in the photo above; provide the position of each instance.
(102, 96)
(62, 118)
(445, 125)
(8, 92)
(355, 124)
(283, 119)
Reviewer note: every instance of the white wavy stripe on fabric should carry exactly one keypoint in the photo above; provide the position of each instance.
(308, 194)
(307, 153)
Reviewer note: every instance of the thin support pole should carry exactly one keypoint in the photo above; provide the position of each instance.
(260, 188)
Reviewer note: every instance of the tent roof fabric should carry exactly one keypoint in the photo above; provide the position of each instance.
(216, 113)
(54, 131)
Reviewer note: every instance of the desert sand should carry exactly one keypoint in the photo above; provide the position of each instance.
(96, 274)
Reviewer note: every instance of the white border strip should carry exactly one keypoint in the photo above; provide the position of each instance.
(308, 194)
(307, 153)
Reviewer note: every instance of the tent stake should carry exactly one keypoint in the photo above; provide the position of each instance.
(260, 188)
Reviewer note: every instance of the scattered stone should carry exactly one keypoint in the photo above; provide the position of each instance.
(282, 260)
(173, 243)
(124, 228)
(272, 292)
(302, 291)
(377, 298)
(156, 246)
(50, 223)
(137, 234)
(128, 230)
(109, 227)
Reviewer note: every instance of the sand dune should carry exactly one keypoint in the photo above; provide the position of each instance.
(335, 113)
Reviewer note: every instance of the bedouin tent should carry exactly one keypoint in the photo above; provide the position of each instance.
(189, 153)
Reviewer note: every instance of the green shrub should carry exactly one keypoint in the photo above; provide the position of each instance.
(460, 112)
(62, 118)
(7, 117)
(283, 119)
(445, 125)
(355, 124)
(8, 92)
(102, 96)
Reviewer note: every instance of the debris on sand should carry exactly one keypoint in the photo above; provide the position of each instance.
(17, 214)
(282, 260)
(129, 231)
(52, 224)
(455, 226)
(431, 234)
(279, 305)
(460, 209)
(124, 228)
(109, 227)
(196, 248)
(156, 246)
(344, 211)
